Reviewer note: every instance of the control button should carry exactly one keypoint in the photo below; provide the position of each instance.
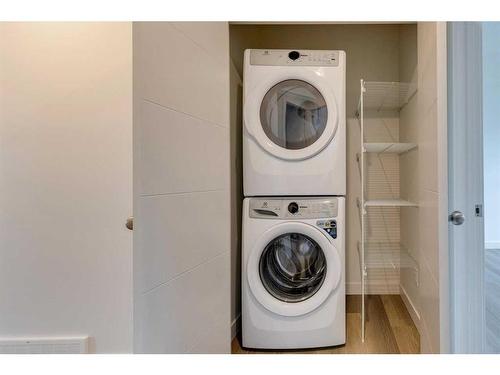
(294, 55)
(293, 208)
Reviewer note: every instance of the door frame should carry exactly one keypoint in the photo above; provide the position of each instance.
(442, 168)
(465, 188)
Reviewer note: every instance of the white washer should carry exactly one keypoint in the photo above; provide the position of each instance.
(293, 284)
(294, 136)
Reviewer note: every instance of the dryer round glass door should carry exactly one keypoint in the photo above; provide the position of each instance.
(293, 114)
(292, 267)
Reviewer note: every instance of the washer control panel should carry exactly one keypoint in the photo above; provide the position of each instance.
(293, 208)
(287, 57)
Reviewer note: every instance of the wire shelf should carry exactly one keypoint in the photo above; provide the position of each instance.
(378, 100)
(388, 255)
(389, 203)
(397, 148)
(387, 96)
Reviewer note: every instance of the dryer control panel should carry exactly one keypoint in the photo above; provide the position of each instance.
(286, 57)
(293, 208)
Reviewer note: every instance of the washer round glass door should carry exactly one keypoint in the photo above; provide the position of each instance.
(292, 267)
(293, 114)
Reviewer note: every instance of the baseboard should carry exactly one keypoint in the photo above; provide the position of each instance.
(492, 246)
(410, 306)
(354, 288)
(45, 345)
(235, 326)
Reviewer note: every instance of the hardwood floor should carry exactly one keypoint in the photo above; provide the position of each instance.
(492, 297)
(389, 329)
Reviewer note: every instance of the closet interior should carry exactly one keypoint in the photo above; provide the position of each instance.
(382, 202)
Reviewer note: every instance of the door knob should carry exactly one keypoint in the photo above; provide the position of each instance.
(130, 223)
(457, 218)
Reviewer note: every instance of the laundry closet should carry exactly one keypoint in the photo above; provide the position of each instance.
(391, 157)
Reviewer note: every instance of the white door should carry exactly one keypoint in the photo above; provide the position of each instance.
(474, 177)
(465, 186)
(181, 188)
(66, 182)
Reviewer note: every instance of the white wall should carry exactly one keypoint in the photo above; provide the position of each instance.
(420, 182)
(181, 188)
(66, 182)
(491, 132)
(491, 144)
(409, 126)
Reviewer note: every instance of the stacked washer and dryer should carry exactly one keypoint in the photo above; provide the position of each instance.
(294, 182)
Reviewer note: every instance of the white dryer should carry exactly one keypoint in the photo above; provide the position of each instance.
(294, 136)
(293, 284)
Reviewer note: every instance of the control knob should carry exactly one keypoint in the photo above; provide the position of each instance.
(293, 207)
